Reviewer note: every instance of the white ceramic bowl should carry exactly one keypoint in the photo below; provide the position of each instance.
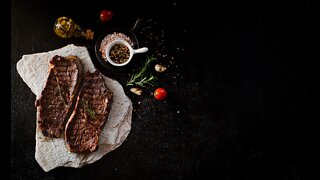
(131, 50)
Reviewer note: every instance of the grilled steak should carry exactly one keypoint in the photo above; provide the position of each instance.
(57, 98)
(90, 114)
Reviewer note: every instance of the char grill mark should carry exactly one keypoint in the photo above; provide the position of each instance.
(90, 114)
(57, 97)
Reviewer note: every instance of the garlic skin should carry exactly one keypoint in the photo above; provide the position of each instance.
(136, 91)
(160, 68)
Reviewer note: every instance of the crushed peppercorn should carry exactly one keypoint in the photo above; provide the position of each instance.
(119, 53)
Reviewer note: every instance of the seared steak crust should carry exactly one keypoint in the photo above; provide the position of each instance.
(90, 114)
(57, 98)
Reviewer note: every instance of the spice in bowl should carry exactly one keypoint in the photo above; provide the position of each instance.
(119, 53)
(111, 37)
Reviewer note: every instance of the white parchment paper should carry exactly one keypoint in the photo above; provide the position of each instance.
(52, 153)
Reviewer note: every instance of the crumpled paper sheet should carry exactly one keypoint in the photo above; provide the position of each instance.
(52, 152)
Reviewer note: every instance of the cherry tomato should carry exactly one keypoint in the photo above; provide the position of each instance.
(106, 15)
(160, 94)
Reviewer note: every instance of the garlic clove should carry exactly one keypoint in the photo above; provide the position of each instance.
(160, 68)
(136, 91)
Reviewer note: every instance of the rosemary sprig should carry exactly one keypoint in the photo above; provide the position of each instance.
(146, 80)
(142, 78)
(88, 109)
(63, 99)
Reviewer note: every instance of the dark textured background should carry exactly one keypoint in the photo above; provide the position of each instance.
(239, 94)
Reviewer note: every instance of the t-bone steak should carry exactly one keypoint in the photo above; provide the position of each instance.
(58, 95)
(90, 114)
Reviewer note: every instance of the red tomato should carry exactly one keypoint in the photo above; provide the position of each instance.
(106, 15)
(160, 94)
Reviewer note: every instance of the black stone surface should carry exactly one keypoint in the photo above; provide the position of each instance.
(239, 96)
